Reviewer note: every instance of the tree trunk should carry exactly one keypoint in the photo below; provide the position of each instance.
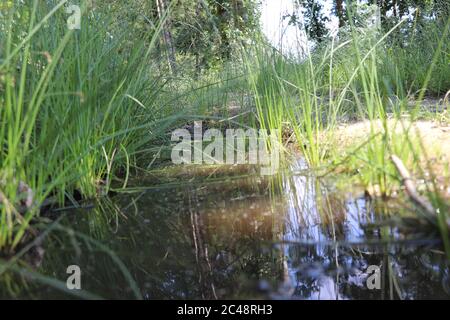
(339, 5)
(167, 35)
(383, 12)
(225, 42)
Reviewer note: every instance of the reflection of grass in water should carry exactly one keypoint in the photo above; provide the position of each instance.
(232, 243)
(19, 270)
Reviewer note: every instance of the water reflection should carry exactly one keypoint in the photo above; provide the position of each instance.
(333, 251)
(285, 237)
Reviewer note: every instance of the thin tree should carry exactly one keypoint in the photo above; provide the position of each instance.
(167, 35)
(339, 8)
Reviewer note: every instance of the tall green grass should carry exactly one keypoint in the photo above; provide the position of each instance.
(368, 75)
(75, 105)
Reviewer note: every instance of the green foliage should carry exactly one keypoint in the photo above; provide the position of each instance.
(370, 76)
(314, 19)
(204, 33)
(75, 106)
(310, 15)
(213, 30)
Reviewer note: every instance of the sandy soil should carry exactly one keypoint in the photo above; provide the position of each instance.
(435, 136)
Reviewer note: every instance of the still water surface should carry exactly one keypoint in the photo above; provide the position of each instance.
(227, 233)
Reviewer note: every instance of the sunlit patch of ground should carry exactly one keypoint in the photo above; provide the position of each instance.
(429, 139)
(435, 136)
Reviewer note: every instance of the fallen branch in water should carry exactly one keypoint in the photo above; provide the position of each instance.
(410, 187)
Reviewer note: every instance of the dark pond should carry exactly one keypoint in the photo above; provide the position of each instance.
(235, 235)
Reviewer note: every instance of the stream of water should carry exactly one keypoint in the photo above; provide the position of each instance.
(240, 236)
